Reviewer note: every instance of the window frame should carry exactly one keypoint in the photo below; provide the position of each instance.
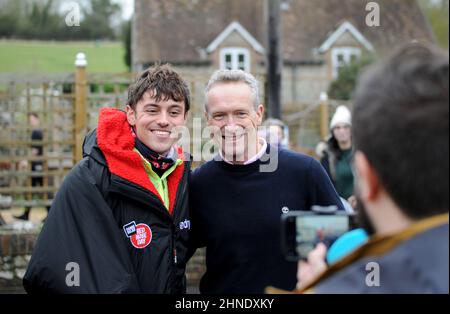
(346, 53)
(235, 52)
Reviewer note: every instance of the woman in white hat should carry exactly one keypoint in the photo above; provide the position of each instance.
(338, 153)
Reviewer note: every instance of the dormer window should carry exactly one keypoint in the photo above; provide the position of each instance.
(342, 57)
(235, 59)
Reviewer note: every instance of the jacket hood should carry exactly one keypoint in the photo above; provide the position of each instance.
(116, 139)
(91, 149)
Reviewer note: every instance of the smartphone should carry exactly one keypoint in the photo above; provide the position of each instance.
(301, 231)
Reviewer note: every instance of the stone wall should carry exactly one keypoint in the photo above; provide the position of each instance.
(195, 270)
(15, 253)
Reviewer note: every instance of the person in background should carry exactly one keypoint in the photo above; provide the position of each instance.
(36, 165)
(338, 153)
(274, 132)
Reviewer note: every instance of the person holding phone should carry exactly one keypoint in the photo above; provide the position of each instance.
(401, 138)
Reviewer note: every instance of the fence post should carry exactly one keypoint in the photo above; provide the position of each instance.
(80, 105)
(324, 115)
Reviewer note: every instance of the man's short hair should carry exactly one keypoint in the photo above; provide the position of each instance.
(274, 122)
(234, 76)
(164, 82)
(400, 117)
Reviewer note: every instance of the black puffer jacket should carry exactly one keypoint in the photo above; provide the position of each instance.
(89, 223)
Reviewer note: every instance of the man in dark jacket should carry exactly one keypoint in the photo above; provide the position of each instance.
(400, 131)
(118, 222)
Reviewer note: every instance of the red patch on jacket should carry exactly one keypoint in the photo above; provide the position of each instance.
(142, 237)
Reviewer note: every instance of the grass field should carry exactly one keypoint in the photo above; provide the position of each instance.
(49, 56)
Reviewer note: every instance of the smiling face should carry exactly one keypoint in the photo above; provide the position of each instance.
(231, 112)
(154, 121)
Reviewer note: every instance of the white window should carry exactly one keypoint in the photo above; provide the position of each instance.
(343, 56)
(235, 59)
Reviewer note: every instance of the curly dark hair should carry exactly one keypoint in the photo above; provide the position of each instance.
(164, 82)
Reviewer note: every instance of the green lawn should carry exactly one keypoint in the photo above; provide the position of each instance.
(49, 56)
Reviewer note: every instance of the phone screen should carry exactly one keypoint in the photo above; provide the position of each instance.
(313, 229)
(301, 231)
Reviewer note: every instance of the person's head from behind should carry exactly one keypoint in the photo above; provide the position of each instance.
(234, 111)
(400, 134)
(33, 119)
(157, 103)
(340, 127)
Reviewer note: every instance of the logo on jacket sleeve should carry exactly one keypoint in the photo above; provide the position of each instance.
(140, 235)
(185, 224)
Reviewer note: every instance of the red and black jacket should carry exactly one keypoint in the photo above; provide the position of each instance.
(109, 219)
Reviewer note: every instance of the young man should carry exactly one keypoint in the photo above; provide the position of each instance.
(237, 199)
(402, 168)
(117, 222)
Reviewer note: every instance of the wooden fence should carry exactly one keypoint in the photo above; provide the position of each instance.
(68, 108)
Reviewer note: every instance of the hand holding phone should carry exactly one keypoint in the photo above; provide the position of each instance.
(303, 230)
(309, 270)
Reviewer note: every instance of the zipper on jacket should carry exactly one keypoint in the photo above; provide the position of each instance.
(174, 247)
(181, 187)
(173, 250)
(177, 211)
(175, 260)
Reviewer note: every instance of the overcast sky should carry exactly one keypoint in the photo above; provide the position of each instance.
(127, 7)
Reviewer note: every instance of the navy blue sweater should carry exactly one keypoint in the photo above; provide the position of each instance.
(236, 211)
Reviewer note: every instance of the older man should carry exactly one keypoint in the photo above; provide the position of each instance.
(237, 199)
